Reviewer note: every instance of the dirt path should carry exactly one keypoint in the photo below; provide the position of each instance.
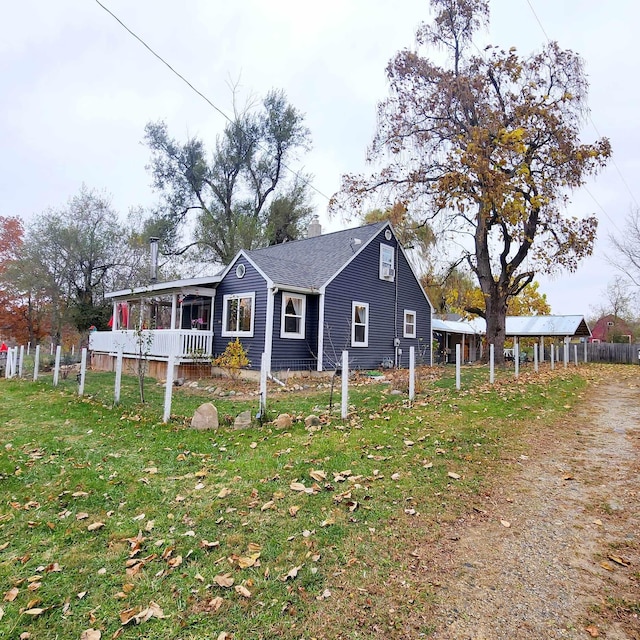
(557, 552)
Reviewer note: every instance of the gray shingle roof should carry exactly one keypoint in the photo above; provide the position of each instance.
(311, 262)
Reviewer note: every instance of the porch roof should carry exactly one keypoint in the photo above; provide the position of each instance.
(204, 286)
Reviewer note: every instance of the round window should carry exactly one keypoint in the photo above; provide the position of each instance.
(240, 271)
(387, 234)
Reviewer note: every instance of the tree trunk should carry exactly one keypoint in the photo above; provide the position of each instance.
(496, 323)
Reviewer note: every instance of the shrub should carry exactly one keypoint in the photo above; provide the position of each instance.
(232, 359)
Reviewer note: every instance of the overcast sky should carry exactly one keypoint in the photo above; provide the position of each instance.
(77, 91)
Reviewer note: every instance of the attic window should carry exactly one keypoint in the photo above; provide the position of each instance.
(609, 323)
(293, 315)
(240, 271)
(387, 271)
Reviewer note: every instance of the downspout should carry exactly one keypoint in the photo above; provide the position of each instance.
(396, 338)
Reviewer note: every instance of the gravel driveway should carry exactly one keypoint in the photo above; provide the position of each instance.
(556, 553)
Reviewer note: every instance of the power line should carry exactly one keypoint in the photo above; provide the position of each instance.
(593, 124)
(202, 95)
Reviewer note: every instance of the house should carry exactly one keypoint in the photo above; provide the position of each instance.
(611, 328)
(297, 304)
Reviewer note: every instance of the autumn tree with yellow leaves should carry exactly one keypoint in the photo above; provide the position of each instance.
(486, 148)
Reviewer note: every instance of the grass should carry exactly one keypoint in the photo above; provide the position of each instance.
(306, 523)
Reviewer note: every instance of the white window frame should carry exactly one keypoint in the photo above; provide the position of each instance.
(354, 342)
(225, 306)
(405, 333)
(387, 261)
(297, 335)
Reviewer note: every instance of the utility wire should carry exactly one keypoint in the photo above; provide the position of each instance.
(593, 124)
(202, 95)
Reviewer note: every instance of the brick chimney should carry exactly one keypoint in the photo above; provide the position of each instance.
(315, 228)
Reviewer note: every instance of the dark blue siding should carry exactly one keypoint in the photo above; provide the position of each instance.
(360, 282)
(291, 353)
(252, 282)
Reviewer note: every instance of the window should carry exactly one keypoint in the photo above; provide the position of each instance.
(237, 314)
(409, 324)
(387, 271)
(360, 324)
(293, 313)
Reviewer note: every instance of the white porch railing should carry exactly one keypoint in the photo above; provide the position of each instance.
(158, 343)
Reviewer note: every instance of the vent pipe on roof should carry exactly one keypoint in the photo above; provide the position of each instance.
(153, 259)
(315, 228)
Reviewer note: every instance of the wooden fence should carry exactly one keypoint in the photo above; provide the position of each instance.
(610, 352)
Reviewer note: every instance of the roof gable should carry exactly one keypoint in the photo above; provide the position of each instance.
(312, 262)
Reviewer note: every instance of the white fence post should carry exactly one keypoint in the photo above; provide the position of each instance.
(516, 358)
(458, 367)
(575, 354)
(36, 363)
(263, 387)
(83, 371)
(553, 360)
(535, 357)
(21, 361)
(492, 362)
(118, 383)
(56, 367)
(345, 385)
(168, 392)
(412, 373)
(565, 353)
(585, 349)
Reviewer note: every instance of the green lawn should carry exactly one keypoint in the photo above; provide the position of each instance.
(110, 516)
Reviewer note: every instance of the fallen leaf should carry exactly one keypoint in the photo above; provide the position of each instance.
(36, 611)
(243, 591)
(592, 630)
(11, 595)
(619, 560)
(453, 475)
(95, 526)
(297, 486)
(291, 574)
(293, 510)
(81, 595)
(91, 634)
(248, 561)
(223, 635)
(205, 544)
(224, 492)
(216, 603)
(79, 494)
(82, 515)
(267, 505)
(318, 475)
(505, 523)
(224, 580)
(605, 565)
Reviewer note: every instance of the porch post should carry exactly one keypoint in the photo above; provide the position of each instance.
(174, 309)
(114, 316)
(320, 331)
(268, 333)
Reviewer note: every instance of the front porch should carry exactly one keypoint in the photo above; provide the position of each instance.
(156, 322)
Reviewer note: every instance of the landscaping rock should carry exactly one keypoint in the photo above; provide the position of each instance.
(311, 421)
(283, 421)
(243, 421)
(205, 417)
